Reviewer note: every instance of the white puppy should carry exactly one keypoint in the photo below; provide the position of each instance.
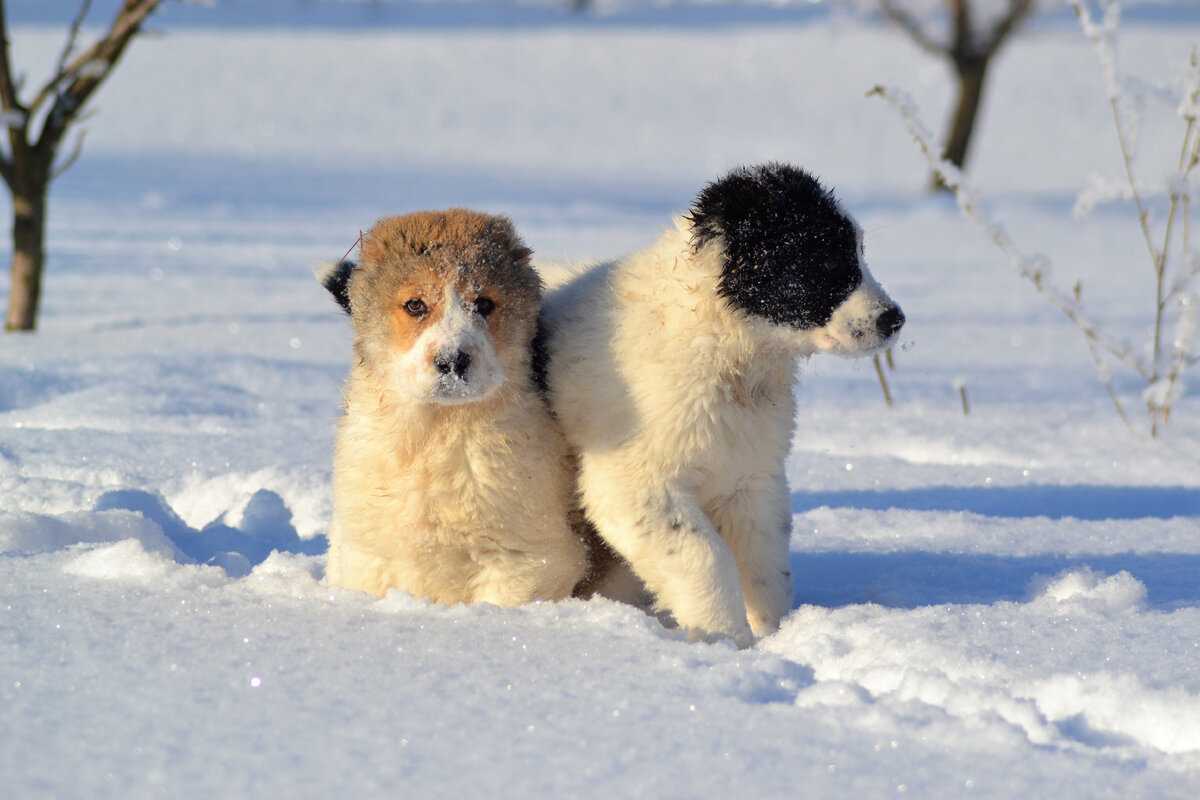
(671, 373)
(450, 479)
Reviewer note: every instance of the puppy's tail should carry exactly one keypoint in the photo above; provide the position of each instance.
(336, 279)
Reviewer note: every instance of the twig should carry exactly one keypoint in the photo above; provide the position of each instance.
(357, 243)
(1107, 383)
(961, 385)
(913, 28)
(1017, 11)
(60, 71)
(71, 158)
(887, 394)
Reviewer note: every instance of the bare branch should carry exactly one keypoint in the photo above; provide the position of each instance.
(72, 38)
(88, 70)
(962, 45)
(10, 104)
(913, 28)
(887, 394)
(70, 160)
(1018, 10)
(61, 73)
(8, 90)
(1108, 387)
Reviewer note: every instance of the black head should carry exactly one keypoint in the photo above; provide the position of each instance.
(792, 254)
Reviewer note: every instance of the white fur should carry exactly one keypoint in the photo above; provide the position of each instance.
(458, 330)
(680, 410)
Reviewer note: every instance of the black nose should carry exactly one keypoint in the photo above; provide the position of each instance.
(457, 362)
(890, 322)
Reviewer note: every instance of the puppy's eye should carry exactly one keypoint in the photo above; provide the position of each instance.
(416, 307)
(485, 306)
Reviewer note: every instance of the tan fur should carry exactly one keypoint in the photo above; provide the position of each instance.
(458, 499)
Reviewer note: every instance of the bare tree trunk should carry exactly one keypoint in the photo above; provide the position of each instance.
(969, 53)
(29, 186)
(971, 73)
(29, 226)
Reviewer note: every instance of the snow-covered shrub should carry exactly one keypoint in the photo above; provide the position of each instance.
(1172, 346)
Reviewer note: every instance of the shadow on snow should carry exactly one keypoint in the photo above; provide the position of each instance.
(1055, 502)
(912, 579)
(266, 526)
(918, 578)
(896, 580)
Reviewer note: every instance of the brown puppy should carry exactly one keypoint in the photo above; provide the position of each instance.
(450, 479)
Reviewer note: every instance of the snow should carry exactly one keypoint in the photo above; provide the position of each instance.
(999, 604)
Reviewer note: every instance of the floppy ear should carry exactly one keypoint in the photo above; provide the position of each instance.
(336, 279)
(505, 233)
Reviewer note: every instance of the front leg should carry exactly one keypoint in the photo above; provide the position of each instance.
(673, 548)
(755, 520)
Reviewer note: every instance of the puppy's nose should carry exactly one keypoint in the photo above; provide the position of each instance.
(890, 322)
(455, 361)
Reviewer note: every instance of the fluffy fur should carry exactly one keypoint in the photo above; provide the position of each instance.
(671, 372)
(450, 479)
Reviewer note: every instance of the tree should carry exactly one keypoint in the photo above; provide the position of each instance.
(972, 39)
(36, 131)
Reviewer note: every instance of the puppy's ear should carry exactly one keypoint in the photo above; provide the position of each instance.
(336, 279)
(504, 233)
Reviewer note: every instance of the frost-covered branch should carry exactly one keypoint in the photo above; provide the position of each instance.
(1175, 264)
(1035, 269)
(1102, 36)
(1168, 362)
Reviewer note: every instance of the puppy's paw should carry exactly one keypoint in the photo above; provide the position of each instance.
(765, 621)
(764, 627)
(743, 638)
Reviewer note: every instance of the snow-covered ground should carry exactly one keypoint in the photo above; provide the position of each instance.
(1005, 604)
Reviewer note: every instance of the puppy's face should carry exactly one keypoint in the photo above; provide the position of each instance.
(444, 304)
(792, 257)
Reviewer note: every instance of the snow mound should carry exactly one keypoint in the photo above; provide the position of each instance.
(290, 574)
(1088, 589)
(128, 561)
(1108, 710)
(1053, 671)
(26, 532)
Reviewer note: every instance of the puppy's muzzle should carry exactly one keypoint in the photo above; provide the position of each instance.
(453, 361)
(890, 322)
